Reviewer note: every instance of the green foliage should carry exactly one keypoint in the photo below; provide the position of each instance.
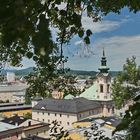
(44, 85)
(131, 122)
(25, 25)
(28, 115)
(57, 132)
(27, 98)
(126, 85)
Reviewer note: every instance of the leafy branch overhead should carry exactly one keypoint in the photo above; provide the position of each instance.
(25, 25)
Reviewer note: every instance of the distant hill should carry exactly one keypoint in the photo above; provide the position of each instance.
(90, 73)
(24, 72)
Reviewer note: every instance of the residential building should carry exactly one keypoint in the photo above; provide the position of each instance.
(66, 112)
(9, 132)
(13, 92)
(10, 109)
(28, 127)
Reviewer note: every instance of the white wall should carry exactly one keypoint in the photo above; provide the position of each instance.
(64, 119)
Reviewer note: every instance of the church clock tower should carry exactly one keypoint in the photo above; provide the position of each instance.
(103, 80)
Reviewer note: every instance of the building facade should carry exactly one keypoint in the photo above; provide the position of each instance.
(13, 92)
(10, 109)
(66, 112)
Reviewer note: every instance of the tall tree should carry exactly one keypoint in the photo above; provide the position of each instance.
(25, 25)
(126, 88)
(126, 85)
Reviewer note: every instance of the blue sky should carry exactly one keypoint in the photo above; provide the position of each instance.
(119, 35)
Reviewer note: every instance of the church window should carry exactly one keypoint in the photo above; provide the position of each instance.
(108, 88)
(108, 110)
(101, 88)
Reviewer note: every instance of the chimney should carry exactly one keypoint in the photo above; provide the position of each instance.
(29, 123)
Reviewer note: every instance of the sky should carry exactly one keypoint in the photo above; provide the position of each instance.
(119, 35)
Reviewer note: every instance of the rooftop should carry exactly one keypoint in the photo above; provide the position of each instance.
(14, 120)
(9, 108)
(13, 88)
(90, 93)
(75, 105)
(69, 96)
(6, 126)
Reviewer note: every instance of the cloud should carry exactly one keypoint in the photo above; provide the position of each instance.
(117, 49)
(101, 26)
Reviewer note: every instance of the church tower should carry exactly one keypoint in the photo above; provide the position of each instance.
(103, 68)
(103, 80)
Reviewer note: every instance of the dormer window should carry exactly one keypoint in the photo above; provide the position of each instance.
(42, 107)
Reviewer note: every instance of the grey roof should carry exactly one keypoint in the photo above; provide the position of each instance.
(11, 104)
(6, 126)
(14, 120)
(75, 105)
(13, 88)
(9, 108)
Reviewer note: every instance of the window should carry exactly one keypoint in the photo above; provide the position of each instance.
(43, 113)
(43, 120)
(44, 131)
(92, 111)
(48, 114)
(108, 88)
(60, 115)
(60, 122)
(55, 114)
(101, 87)
(37, 112)
(68, 123)
(36, 133)
(108, 110)
(113, 110)
(48, 121)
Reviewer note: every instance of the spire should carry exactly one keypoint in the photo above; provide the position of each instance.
(103, 52)
(103, 68)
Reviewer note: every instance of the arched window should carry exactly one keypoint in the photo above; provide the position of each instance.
(108, 86)
(101, 87)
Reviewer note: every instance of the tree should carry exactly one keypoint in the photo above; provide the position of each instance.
(126, 85)
(57, 132)
(25, 26)
(26, 29)
(126, 88)
(28, 115)
(44, 85)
